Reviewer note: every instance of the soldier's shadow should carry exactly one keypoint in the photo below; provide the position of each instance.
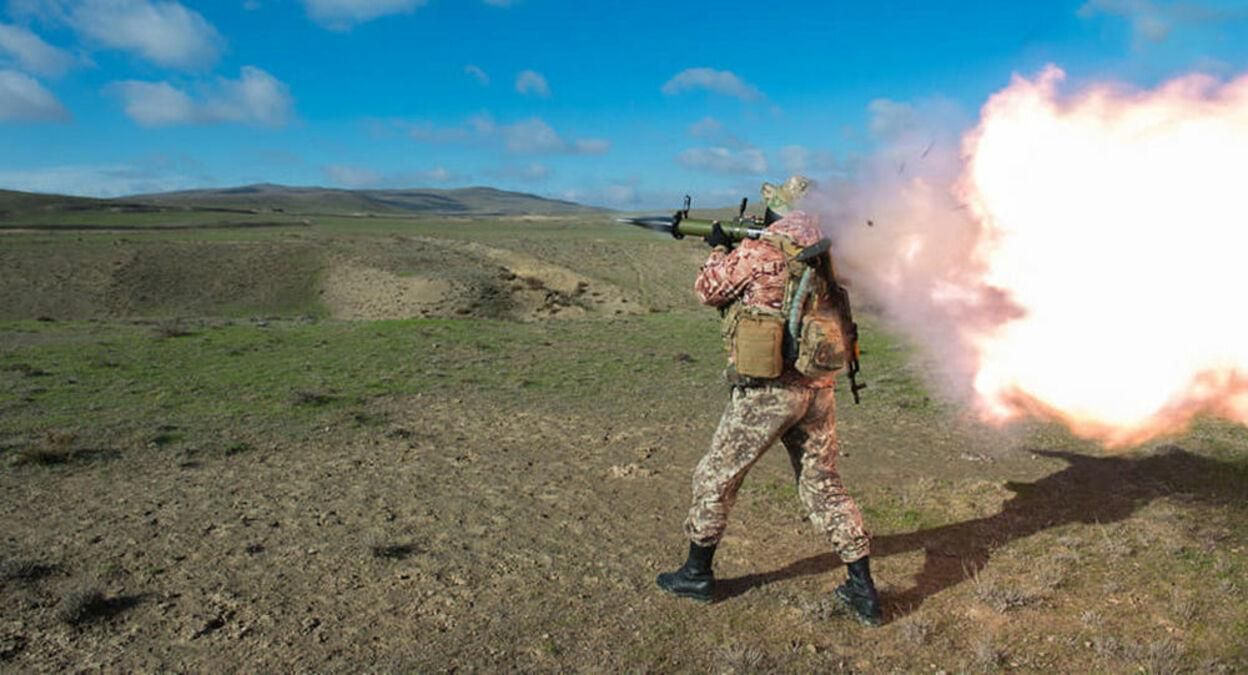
(1089, 490)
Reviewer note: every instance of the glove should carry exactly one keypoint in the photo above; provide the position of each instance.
(718, 237)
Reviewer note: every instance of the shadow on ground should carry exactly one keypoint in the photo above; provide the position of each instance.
(1091, 490)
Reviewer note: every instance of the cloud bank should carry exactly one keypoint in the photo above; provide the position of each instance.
(32, 53)
(163, 32)
(23, 99)
(255, 98)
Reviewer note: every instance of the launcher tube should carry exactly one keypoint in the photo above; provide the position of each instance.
(701, 228)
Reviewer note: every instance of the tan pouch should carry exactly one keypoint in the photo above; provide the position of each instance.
(758, 345)
(821, 346)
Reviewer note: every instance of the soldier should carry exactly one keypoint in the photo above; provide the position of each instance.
(796, 409)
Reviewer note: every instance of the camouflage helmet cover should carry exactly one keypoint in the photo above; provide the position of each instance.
(782, 198)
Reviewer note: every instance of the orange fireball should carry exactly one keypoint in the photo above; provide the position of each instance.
(1115, 221)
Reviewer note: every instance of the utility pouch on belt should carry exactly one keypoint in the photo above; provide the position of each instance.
(756, 341)
(821, 347)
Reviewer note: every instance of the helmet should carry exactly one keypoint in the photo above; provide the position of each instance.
(781, 199)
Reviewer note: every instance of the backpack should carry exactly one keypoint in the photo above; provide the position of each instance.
(814, 331)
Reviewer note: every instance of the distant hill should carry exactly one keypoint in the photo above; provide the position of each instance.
(25, 202)
(317, 200)
(271, 199)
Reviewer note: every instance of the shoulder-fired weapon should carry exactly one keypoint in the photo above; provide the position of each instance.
(680, 225)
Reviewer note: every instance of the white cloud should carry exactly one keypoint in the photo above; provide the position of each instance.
(155, 104)
(533, 172)
(619, 194)
(22, 98)
(920, 122)
(718, 81)
(891, 119)
(531, 82)
(723, 160)
(32, 53)
(592, 146)
(343, 14)
(356, 177)
(1155, 21)
(476, 127)
(1147, 20)
(161, 31)
(438, 174)
(478, 74)
(428, 132)
(255, 98)
(482, 123)
(350, 176)
(531, 136)
(97, 181)
(534, 137)
(800, 159)
(707, 127)
(713, 131)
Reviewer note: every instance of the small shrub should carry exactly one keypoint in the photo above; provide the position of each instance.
(165, 438)
(24, 570)
(918, 631)
(313, 399)
(172, 328)
(1183, 607)
(999, 595)
(383, 548)
(55, 448)
(1160, 657)
(26, 370)
(392, 551)
(823, 609)
(83, 605)
(985, 655)
(735, 658)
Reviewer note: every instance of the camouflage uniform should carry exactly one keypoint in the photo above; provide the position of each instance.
(799, 411)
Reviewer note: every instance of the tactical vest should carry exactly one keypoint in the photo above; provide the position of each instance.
(813, 332)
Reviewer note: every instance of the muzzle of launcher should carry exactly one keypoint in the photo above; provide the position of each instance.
(680, 227)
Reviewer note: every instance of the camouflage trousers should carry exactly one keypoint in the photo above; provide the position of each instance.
(804, 420)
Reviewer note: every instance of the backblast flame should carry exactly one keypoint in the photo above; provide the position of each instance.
(1103, 250)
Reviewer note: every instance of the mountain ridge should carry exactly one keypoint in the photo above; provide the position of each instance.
(311, 200)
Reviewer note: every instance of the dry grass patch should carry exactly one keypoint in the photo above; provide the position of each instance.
(738, 658)
(986, 655)
(918, 630)
(24, 571)
(82, 605)
(1001, 594)
(55, 447)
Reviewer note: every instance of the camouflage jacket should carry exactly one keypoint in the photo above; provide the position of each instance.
(755, 273)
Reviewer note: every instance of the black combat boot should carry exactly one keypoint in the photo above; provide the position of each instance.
(858, 593)
(694, 579)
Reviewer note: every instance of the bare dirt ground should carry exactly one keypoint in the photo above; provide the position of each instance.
(491, 489)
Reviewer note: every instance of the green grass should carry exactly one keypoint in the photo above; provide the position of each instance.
(110, 219)
(224, 373)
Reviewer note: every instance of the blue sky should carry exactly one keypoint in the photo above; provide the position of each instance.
(617, 103)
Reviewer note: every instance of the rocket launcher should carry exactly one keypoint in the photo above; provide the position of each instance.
(680, 225)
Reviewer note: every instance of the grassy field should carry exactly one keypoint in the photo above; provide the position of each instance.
(465, 443)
